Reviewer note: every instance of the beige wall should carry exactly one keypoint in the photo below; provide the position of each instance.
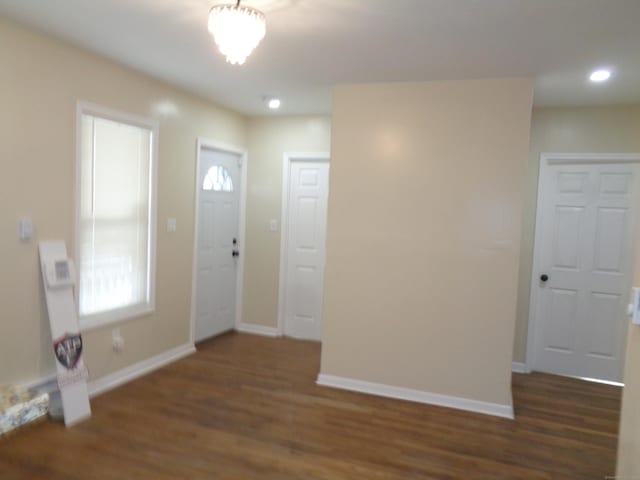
(629, 441)
(269, 139)
(40, 83)
(424, 234)
(566, 130)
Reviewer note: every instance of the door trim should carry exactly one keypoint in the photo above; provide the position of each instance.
(204, 143)
(287, 159)
(546, 160)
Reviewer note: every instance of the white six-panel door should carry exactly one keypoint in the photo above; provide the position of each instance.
(216, 265)
(584, 251)
(305, 252)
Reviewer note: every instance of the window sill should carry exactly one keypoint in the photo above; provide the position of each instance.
(111, 317)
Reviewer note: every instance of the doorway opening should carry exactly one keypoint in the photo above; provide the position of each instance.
(218, 239)
(587, 219)
(305, 194)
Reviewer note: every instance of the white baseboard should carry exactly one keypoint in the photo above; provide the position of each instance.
(49, 384)
(113, 380)
(519, 367)
(46, 384)
(258, 330)
(499, 410)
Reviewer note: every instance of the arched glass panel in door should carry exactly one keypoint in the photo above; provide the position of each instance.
(218, 179)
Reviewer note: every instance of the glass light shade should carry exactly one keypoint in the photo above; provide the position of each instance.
(600, 76)
(237, 30)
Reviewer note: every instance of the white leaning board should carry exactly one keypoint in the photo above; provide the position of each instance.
(65, 332)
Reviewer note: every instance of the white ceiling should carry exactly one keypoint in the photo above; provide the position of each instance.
(314, 44)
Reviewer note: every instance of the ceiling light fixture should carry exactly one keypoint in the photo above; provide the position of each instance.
(600, 76)
(237, 30)
(274, 103)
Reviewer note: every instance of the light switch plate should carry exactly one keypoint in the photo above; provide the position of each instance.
(273, 225)
(172, 225)
(25, 229)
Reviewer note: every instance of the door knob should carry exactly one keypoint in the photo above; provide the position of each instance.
(544, 277)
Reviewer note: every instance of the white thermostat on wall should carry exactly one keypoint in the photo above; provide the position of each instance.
(60, 273)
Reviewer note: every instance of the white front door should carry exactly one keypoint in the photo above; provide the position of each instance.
(217, 242)
(305, 255)
(587, 215)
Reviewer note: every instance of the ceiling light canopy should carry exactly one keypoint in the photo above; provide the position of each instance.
(600, 76)
(237, 30)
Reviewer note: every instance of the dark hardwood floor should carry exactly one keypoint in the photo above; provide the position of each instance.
(247, 407)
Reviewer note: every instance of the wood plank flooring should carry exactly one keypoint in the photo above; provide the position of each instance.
(247, 407)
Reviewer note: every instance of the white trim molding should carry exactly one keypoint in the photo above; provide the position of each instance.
(204, 143)
(588, 158)
(519, 367)
(48, 384)
(116, 379)
(128, 312)
(287, 159)
(487, 408)
(257, 330)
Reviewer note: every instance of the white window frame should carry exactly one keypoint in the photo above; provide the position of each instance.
(88, 322)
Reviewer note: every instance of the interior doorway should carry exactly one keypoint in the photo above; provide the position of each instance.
(587, 218)
(302, 256)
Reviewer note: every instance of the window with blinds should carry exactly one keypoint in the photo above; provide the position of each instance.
(115, 225)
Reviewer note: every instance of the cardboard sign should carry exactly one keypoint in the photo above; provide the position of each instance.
(59, 279)
(68, 350)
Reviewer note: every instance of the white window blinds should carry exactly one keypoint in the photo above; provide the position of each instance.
(115, 217)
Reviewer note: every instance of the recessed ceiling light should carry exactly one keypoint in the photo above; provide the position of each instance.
(274, 103)
(600, 76)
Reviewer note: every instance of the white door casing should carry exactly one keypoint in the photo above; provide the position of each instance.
(304, 224)
(585, 231)
(216, 268)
